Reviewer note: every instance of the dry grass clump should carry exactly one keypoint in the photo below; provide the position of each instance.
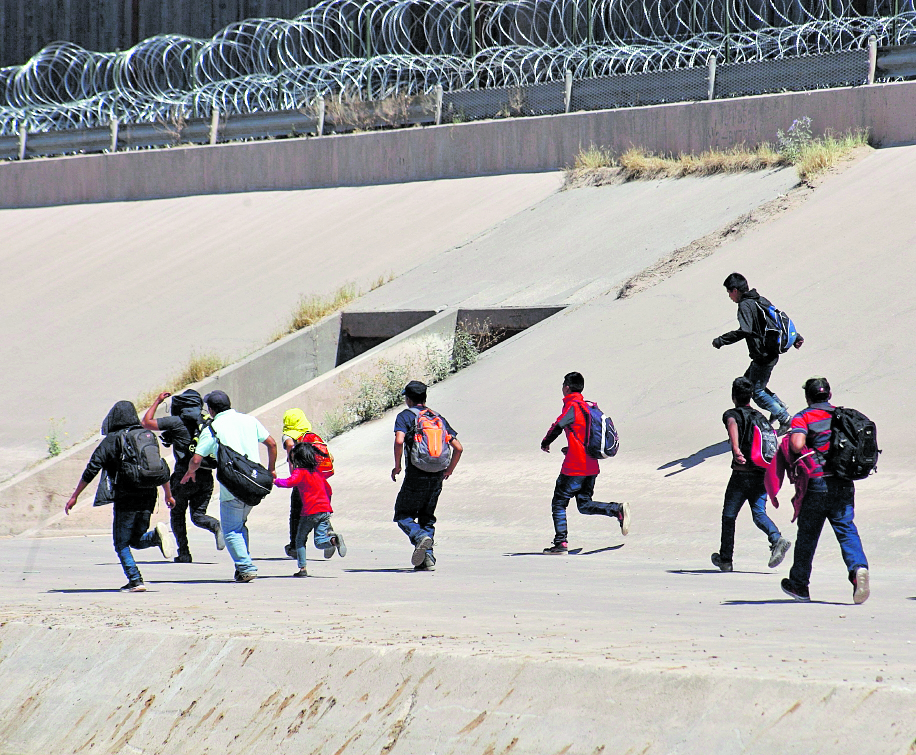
(821, 154)
(637, 164)
(313, 308)
(199, 366)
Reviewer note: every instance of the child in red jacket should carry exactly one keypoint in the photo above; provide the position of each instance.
(315, 493)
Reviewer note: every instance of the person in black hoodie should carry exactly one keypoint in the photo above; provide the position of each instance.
(752, 323)
(179, 430)
(133, 506)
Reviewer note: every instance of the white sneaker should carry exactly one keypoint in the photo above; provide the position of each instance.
(419, 553)
(166, 544)
(860, 589)
(624, 518)
(778, 552)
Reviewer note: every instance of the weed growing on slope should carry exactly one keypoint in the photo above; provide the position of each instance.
(54, 438)
(199, 366)
(822, 154)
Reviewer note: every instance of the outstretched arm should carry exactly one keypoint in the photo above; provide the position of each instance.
(271, 455)
(80, 487)
(193, 466)
(149, 419)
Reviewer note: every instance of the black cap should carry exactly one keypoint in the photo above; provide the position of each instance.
(218, 401)
(415, 390)
(817, 388)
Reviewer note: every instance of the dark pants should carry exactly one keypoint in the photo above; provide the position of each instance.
(582, 488)
(415, 507)
(130, 529)
(745, 486)
(759, 375)
(193, 495)
(836, 505)
(295, 512)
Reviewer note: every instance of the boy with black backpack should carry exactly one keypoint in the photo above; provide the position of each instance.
(753, 446)
(129, 455)
(580, 468)
(180, 430)
(844, 445)
(431, 451)
(769, 333)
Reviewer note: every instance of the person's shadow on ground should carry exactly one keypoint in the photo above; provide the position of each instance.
(571, 552)
(777, 601)
(696, 458)
(713, 571)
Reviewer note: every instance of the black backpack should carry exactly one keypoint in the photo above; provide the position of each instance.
(853, 453)
(758, 442)
(247, 480)
(142, 466)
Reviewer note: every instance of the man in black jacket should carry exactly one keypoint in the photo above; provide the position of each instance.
(133, 506)
(751, 319)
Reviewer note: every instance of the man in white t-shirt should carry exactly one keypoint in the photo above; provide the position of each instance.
(241, 433)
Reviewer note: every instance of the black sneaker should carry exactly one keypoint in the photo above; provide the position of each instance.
(183, 558)
(290, 551)
(245, 576)
(556, 549)
(719, 563)
(133, 587)
(421, 549)
(799, 593)
(778, 552)
(860, 588)
(301, 573)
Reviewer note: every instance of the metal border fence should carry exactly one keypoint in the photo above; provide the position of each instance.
(714, 80)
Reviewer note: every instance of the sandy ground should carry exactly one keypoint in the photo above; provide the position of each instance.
(106, 301)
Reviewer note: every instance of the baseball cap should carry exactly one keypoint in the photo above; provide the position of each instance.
(816, 387)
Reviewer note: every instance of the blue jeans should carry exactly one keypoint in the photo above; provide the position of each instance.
(321, 523)
(744, 486)
(130, 529)
(582, 488)
(836, 505)
(759, 375)
(415, 507)
(232, 515)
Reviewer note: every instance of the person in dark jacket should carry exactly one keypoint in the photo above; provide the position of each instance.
(751, 320)
(579, 470)
(133, 506)
(179, 430)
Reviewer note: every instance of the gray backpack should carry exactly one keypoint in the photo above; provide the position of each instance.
(430, 449)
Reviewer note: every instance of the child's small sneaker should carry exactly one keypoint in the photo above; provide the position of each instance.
(557, 549)
(421, 549)
(341, 547)
(134, 587)
(860, 588)
(183, 558)
(799, 593)
(778, 552)
(166, 545)
(301, 573)
(429, 563)
(623, 516)
(719, 563)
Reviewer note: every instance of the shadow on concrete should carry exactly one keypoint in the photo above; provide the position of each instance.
(602, 550)
(697, 458)
(572, 552)
(779, 600)
(713, 571)
(163, 561)
(404, 570)
(87, 590)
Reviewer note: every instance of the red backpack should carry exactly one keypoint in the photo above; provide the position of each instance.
(326, 465)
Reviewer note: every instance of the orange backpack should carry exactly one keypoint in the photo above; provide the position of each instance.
(326, 465)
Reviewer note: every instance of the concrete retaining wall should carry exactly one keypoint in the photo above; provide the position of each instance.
(110, 691)
(516, 145)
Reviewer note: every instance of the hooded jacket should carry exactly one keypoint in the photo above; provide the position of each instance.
(752, 324)
(107, 459)
(577, 462)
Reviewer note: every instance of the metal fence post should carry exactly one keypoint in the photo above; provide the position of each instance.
(438, 104)
(320, 115)
(214, 125)
(711, 63)
(23, 138)
(872, 59)
(474, 43)
(114, 135)
(568, 95)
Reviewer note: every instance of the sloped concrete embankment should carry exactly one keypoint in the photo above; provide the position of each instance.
(110, 691)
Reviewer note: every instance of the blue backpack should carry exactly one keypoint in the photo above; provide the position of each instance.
(602, 441)
(779, 332)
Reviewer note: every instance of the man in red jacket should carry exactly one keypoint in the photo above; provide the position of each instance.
(579, 470)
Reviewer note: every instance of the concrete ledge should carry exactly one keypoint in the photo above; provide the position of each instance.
(519, 145)
(130, 691)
